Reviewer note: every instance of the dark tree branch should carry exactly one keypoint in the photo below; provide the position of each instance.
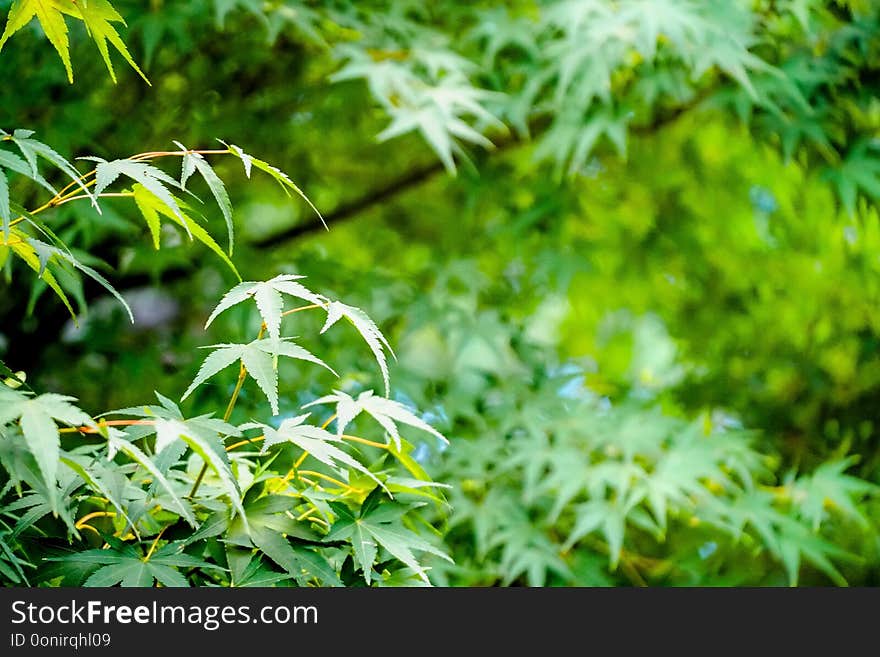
(355, 208)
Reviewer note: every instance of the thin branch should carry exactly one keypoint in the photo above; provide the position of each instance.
(356, 207)
(425, 174)
(107, 195)
(154, 154)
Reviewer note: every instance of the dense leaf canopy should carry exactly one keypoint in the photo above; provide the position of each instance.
(608, 269)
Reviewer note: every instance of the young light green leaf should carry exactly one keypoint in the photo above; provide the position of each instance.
(269, 305)
(192, 162)
(187, 165)
(286, 347)
(218, 189)
(386, 412)
(151, 216)
(246, 160)
(51, 20)
(148, 176)
(280, 177)
(98, 16)
(261, 366)
(37, 417)
(151, 207)
(318, 442)
(829, 487)
(267, 295)
(216, 361)
(371, 334)
(797, 542)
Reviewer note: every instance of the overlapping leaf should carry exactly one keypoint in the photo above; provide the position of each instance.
(386, 412)
(153, 208)
(371, 334)
(152, 179)
(376, 526)
(250, 162)
(319, 443)
(49, 14)
(117, 443)
(97, 15)
(32, 150)
(193, 162)
(203, 434)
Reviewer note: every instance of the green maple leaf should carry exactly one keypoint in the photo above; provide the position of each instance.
(378, 526)
(14, 163)
(301, 562)
(797, 543)
(267, 296)
(154, 180)
(37, 505)
(828, 486)
(193, 162)
(124, 565)
(152, 208)
(202, 434)
(534, 556)
(498, 31)
(49, 14)
(858, 174)
(37, 417)
(250, 162)
(319, 443)
(258, 574)
(116, 443)
(371, 334)
(268, 525)
(387, 412)
(98, 16)
(259, 358)
(223, 7)
(33, 149)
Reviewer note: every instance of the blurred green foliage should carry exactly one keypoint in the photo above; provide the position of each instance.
(647, 319)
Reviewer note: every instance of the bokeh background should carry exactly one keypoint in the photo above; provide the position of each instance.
(672, 236)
